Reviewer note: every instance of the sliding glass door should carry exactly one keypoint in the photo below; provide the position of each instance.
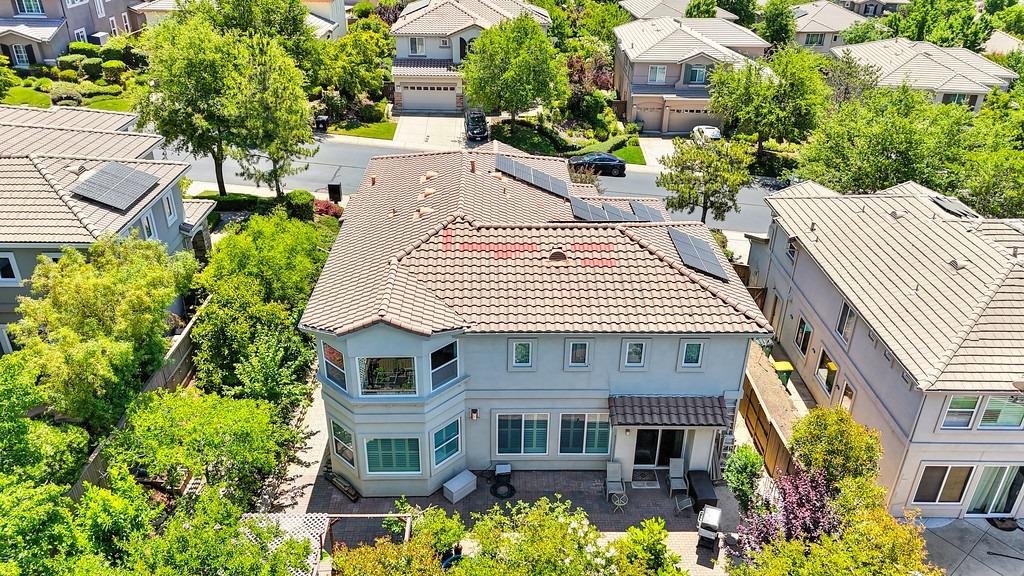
(655, 447)
(997, 491)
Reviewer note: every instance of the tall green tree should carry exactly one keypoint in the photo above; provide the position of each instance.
(265, 94)
(848, 78)
(356, 63)
(191, 63)
(778, 23)
(994, 6)
(35, 527)
(8, 79)
(942, 22)
(1010, 20)
(514, 67)
(830, 440)
(866, 31)
(706, 176)
(745, 10)
(701, 9)
(112, 522)
(781, 99)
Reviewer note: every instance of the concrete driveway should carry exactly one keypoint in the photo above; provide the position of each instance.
(973, 547)
(431, 131)
(654, 147)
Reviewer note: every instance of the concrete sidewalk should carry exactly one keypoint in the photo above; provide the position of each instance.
(973, 547)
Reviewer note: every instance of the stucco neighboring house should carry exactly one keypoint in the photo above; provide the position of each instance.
(873, 7)
(642, 9)
(433, 36)
(952, 75)
(62, 185)
(479, 308)
(663, 66)
(819, 25)
(38, 31)
(325, 17)
(1001, 43)
(907, 309)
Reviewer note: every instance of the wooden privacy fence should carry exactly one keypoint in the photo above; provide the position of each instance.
(176, 369)
(766, 435)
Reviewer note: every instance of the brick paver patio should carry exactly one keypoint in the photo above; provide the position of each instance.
(584, 489)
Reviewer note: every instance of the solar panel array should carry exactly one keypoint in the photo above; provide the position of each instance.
(697, 253)
(645, 213)
(530, 175)
(954, 207)
(618, 215)
(586, 211)
(115, 185)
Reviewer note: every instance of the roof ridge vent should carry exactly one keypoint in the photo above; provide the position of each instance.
(957, 265)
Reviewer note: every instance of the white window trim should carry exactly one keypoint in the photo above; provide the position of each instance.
(419, 444)
(996, 428)
(586, 420)
(11, 282)
(704, 69)
(54, 255)
(974, 412)
(967, 486)
(851, 316)
(522, 435)
(791, 250)
(323, 355)
(422, 43)
(569, 365)
(682, 354)
(446, 43)
(512, 366)
(152, 226)
(101, 12)
(458, 439)
(352, 447)
(416, 380)
(113, 25)
(432, 369)
(42, 9)
(127, 23)
(16, 59)
(807, 39)
(823, 382)
(796, 341)
(624, 365)
(73, 3)
(170, 210)
(79, 33)
(853, 397)
(5, 341)
(657, 70)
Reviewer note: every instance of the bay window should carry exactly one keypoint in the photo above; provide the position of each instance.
(387, 376)
(393, 455)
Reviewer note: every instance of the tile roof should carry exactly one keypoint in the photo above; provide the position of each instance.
(322, 27)
(943, 293)
(925, 66)
(67, 116)
(660, 8)
(433, 67)
(667, 411)
(446, 17)
(1001, 43)
(196, 212)
(679, 39)
(824, 16)
(38, 29)
(441, 241)
(36, 203)
(23, 139)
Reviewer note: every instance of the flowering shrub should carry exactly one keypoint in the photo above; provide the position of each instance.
(327, 208)
(802, 510)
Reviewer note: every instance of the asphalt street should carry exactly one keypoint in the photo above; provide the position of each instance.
(345, 162)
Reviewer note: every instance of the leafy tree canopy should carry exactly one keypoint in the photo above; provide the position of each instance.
(112, 522)
(849, 79)
(942, 22)
(831, 441)
(8, 78)
(706, 176)
(1010, 20)
(35, 526)
(745, 10)
(778, 23)
(867, 31)
(701, 9)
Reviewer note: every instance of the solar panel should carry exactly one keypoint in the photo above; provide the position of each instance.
(616, 214)
(504, 164)
(523, 172)
(115, 185)
(533, 176)
(541, 180)
(645, 213)
(954, 207)
(559, 187)
(586, 211)
(697, 253)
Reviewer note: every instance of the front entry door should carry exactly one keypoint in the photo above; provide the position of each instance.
(654, 447)
(997, 491)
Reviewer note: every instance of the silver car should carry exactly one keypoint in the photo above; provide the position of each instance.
(705, 134)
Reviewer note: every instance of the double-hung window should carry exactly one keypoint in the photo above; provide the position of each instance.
(847, 318)
(814, 39)
(960, 412)
(127, 23)
(826, 372)
(634, 354)
(522, 434)
(446, 442)
(698, 74)
(803, 336)
(416, 47)
(444, 365)
(1001, 413)
(691, 353)
(656, 74)
(30, 7)
(578, 353)
(19, 55)
(584, 434)
(9, 275)
(170, 212)
(344, 445)
(79, 32)
(943, 484)
(113, 25)
(148, 228)
(393, 455)
(334, 366)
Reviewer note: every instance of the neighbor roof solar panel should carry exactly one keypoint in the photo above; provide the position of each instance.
(532, 176)
(587, 211)
(954, 207)
(645, 213)
(559, 187)
(615, 214)
(504, 164)
(115, 185)
(697, 253)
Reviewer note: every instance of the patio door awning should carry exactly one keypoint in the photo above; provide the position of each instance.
(667, 411)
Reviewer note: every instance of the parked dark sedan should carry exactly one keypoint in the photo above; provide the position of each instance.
(599, 163)
(476, 126)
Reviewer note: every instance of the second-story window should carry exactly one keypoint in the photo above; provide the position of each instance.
(1002, 413)
(960, 412)
(445, 43)
(520, 354)
(148, 229)
(416, 47)
(579, 353)
(803, 336)
(691, 354)
(387, 376)
(636, 354)
(656, 75)
(30, 6)
(169, 211)
(847, 318)
(698, 74)
(334, 366)
(444, 365)
(9, 275)
(826, 372)
(791, 250)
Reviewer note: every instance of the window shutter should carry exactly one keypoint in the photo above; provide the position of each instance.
(31, 54)
(6, 51)
(686, 73)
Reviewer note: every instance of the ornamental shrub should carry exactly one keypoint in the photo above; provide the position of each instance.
(29, 82)
(362, 9)
(112, 70)
(63, 92)
(43, 71)
(88, 49)
(643, 550)
(327, 208)
(68, 76)
(43, 84)
(134, 57)
(830, 440)
(89, 89)
(742, 470)
(93, 68)
(371, 113)
(110, 52)
(299, 204)
(71, 61)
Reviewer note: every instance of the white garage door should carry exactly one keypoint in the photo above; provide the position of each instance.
(682, 120)
(650, 115)
(428, 97)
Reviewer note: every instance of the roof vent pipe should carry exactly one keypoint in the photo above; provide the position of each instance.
(472, 166)
(814, 226)
(373, 180)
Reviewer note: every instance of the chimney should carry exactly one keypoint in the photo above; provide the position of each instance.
(373, 180)
(472, 166)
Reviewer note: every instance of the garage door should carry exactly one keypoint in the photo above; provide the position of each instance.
(428, 97)
(650, 116)
(683, 120)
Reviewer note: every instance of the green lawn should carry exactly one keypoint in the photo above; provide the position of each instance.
(631, 154)
(380, 130)
(21, 95)
(109, 102)
(523, 137)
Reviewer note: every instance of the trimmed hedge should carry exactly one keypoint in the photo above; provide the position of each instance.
(89, 49)
(93, 68)
(90, 89)
(61, 92)
(71, 61)
(610, 145)
(108, 53)
(68, 76)
(113, 70)
(43, 84)
(234, 202)
(372, 113)
(299, 204)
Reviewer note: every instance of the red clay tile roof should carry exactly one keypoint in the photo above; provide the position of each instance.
(667, 411)
(440, 241)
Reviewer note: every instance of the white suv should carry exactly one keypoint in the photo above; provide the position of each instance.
(705, 134)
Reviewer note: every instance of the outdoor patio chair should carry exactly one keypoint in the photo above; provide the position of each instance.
(676, 478)
(613, 483)
(683, 503)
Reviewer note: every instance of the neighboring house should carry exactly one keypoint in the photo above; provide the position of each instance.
(953, 75)
(325, 17)
(433, 36)
(479, 308)
(1001, 43)
(65, 186)
(907, 309)
(38, 31)
(643, 9)
(819, 25)
(874, 7)
(663, 66)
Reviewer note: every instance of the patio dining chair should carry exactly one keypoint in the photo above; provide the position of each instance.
(676, 477)
(613, 483)
(683, 503)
